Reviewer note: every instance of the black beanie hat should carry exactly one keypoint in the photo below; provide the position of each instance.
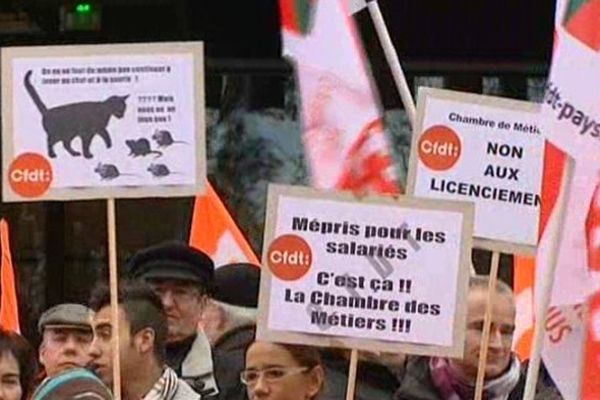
(237, 284)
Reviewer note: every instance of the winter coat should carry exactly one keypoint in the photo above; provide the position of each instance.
(196, 365)
(373, 381)
(185, 392)
(229, 358)
(416, 384)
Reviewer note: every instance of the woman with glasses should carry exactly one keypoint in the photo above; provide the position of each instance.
(282, 372)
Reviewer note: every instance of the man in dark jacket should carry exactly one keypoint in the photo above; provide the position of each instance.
(437, 378)
(375, 375)
(229, 321)
(182, 276)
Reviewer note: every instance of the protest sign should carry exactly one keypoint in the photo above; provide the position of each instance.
(102, 121)
(486, 150)
(375, 274)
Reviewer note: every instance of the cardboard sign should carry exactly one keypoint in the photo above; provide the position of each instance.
(102, 121)
(372, 274)
(484, 150)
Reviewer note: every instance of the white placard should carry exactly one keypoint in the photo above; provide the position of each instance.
(484, 150)
(102, 121)
(379, 272)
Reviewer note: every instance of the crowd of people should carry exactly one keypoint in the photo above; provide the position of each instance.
(187, 331)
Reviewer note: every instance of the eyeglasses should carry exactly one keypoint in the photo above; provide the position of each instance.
(249, 377)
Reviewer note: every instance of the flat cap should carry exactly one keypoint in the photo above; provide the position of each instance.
(237, 284)
(172, 260)
(68, 315)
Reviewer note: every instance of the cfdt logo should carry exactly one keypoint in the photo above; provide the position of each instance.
(439, 148)
(30, 175)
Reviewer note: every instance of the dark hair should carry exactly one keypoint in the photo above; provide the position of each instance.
(305, 356)
(143, 309)
(14, 344)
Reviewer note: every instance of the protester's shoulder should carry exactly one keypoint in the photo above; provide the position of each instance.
(415, 382)
(417, 366)
(237, 339)
(374, 381)
(545, 389)
(185, 392)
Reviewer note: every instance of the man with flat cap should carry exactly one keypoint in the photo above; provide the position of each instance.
(66, 336)
(183, 278)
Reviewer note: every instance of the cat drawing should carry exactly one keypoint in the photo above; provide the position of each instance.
(84, 120)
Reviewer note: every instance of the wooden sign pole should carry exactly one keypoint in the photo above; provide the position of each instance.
(352, 375)
(114, 300)
(487, 325)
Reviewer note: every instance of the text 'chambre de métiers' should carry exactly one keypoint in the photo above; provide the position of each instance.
(497, 171)
(363, 292)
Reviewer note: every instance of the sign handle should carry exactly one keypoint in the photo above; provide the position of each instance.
(352, 375)
(114, 300)
(547, 283)
(487, 324)
(392, 59)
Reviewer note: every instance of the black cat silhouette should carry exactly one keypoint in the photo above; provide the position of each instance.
(164, 138)
(84, 120)
(141, 147)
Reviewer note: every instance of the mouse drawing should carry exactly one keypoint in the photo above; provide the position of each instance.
(160, 170)
(141, 147)
(163, 138)
(108, 172)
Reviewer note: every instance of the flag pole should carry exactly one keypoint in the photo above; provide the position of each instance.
(547, 283)
(392, 58)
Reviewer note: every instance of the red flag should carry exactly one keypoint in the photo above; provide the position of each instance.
(343, 133)
(590, 385)
(215, 232)
(572, 95)
(9, 306)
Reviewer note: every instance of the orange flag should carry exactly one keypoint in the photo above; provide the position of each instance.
(215, 232)
(524, 278)
(9, 306)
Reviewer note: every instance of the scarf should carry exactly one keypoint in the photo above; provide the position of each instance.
(176, 353)
(451, 387)
(165, 387)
